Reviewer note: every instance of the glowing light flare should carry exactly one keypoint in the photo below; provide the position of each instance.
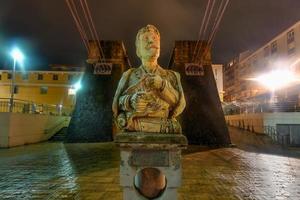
(276, 79)
(77, 86)
(17, 55)
(293, 66)
(73, 90)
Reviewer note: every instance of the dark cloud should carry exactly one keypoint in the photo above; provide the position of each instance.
(48, 32)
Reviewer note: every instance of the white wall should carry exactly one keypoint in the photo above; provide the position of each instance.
(29, 128)
(218, 74)
(257, 121)
(271, 119)
(263, 119)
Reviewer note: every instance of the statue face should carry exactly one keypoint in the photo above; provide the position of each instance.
(148, 46)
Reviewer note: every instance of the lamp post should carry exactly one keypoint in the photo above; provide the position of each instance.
(17, 57)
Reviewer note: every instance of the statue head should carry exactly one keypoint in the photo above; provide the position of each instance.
(147, 43)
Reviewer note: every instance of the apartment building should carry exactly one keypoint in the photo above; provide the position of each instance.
(281, 52)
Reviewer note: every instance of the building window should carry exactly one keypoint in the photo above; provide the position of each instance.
(43, 90)
(291, 48)
(9, 76)
(290, 36)
(70, 77)
(16, 89)
(25, 76)
(291, 42)
(266, 51)
(0, 76)
(273, 47)
(55, 77)
(40, 77)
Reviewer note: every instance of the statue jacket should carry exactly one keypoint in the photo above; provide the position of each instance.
(170, 98)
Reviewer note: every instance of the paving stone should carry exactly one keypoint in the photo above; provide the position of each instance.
(256, 169)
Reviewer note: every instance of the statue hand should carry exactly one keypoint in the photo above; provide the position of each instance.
(138, 102)
(154, 81)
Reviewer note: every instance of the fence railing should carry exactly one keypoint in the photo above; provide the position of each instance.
(232, 109)
(22, 106)
(276, 136)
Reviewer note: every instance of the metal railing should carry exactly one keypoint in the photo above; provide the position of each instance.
(233, 109)
(276, 136)
(22, 106)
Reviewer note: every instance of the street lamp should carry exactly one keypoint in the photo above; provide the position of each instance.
(277, 79)
(73, 90)
(17, 55)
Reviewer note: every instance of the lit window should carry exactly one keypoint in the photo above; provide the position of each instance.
(40, 77)
(43, 90)
(291, 47)
(55, 77)
(273, 47)
(71, 91)
(290, 36)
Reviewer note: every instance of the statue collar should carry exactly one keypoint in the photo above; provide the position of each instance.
(150, 72)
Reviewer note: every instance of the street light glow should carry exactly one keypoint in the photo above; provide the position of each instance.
(17, 55)
(276, 79)
(73, 90)
(77, 86)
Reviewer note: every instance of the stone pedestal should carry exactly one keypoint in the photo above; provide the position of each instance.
(150, 165)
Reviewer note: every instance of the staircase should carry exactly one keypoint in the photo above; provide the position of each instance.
(58, 130)
(59, 136)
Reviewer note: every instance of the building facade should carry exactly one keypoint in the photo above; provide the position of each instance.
(41, 87)
(281, 52)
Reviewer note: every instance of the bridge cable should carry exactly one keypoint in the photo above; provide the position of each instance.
(78, 24)
(211, 39)
(200, 30)
(205, 29)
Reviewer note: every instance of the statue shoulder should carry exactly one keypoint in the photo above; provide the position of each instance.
(126, 75)
(128, 72)
(173, 74)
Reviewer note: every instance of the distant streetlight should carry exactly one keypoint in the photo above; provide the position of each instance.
(17, 55)
(73, 90)
(276, 79)
(77, 86)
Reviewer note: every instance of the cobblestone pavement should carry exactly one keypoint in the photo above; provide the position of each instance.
(256, 169)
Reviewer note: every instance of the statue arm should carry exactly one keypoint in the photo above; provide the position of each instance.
(181, 103)
(169, 94)
(121, 87)
(124, 103)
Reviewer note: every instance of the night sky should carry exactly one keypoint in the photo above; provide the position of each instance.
(46, 32)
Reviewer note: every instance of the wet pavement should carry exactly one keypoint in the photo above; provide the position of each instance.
(255, 169)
